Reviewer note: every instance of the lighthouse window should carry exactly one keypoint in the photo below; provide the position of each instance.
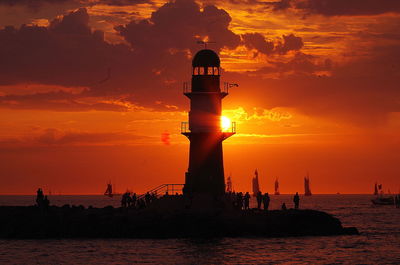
(209, 70)
(196, 71)
(201, 72)
(216, 71)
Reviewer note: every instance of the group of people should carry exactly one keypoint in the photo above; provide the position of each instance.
(139, 202)
(241, 201)
(41, 200)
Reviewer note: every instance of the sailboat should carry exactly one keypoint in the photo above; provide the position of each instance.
(376, 189)
(229, 185)
(256, 185)
(307, 190)
(277, 187)
(381, 199)
(109, 190)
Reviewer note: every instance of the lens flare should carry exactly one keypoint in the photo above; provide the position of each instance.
(225, 123)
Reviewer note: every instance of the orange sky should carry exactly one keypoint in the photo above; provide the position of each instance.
(88, 88)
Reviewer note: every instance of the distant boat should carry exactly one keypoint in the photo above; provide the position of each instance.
(307, 190)
(229, 185)
(256, 185)
(376, 189)
(109, 191)
(277, 187)
(381, 199)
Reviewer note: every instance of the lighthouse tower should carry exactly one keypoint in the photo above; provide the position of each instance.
(205, 174)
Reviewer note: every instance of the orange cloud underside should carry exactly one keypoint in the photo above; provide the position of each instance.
(295, 110)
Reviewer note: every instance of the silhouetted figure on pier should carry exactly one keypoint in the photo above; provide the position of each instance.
(128, 199)
(141, 203)
(134, 199)
(296, 200)
(266, 201)
(124, 199)
(239, 201)
(46, 202)
(147, 198)
(284, 208)
(39, 197)
(247, 201)
(259, 197)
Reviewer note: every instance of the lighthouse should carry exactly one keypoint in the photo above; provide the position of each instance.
(205, 174)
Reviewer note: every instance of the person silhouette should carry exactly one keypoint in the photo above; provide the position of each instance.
(284, 207)
(133, 201)
(296, 200)
(266, 201)
(39, 197)
(247, 201)
(46, 202)
(259, 197)
(240, 201)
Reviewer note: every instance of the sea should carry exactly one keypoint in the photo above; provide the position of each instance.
(378, 243)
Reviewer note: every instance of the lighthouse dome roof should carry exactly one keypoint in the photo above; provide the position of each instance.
(206, 58)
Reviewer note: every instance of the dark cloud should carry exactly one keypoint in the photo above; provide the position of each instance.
(339, 7)
(290, 43)
(63, 101)
(258, 42)
(178, 25)
(363, 92)
(57, 137)
(69, 53)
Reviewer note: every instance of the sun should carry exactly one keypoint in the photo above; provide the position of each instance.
(225, 123)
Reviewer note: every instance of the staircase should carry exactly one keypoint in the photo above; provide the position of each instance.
(161, 190)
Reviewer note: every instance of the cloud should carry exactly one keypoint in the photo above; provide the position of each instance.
(57, 137)
(69, 53)
(258, 42)
(339, 7)
(178, 25)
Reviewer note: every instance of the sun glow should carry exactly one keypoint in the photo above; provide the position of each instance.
(225, 123)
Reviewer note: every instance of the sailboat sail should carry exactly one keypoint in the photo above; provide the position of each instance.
(256, 185)
(229, 187)
(376, 189)
(109, 191)
(307, 190)
(277, 187)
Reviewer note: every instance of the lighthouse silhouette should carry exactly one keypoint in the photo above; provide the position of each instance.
(205, 175)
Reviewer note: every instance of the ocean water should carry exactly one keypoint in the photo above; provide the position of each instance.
(379, 242)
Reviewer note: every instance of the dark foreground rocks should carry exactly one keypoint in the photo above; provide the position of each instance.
(109, 222)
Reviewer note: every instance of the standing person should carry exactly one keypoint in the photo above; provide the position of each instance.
(247, 201)
(266, 201)
(133, 202)
(39, 197)
(124, 200)
(296, 200)
(259, 197)
(240, 201)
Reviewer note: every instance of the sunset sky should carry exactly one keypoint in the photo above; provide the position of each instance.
(91, 91)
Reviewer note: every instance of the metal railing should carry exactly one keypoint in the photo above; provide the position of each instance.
(185, 127)
(224, 89)
(186, 88)
(164, 189)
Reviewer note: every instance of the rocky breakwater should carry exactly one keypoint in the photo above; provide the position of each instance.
(109, 222)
